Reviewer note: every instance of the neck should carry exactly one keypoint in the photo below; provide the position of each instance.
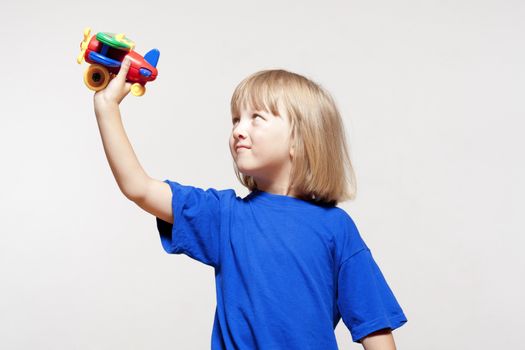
(275, 187)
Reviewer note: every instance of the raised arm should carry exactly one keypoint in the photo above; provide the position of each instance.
(152, 195)
(128, 172)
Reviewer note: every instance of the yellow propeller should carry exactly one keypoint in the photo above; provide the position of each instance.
(84, 45)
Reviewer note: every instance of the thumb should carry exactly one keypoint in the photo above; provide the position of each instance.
(124, 68)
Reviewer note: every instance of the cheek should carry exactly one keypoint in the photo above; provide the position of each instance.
(276, 144)
(230, 145)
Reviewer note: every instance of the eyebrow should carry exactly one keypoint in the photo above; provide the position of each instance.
(257, 111)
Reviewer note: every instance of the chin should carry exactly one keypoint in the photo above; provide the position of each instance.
(246, 170)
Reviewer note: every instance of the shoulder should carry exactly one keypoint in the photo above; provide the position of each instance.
(347, 237)
(225, 196)
(197, 192)
(341, 220)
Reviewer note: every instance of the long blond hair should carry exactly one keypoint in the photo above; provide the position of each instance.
(321, 167)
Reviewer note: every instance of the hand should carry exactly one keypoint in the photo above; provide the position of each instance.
(117, 89)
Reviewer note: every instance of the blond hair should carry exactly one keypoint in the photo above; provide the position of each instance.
(321, 167)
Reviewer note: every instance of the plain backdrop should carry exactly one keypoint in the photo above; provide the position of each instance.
(432, 96)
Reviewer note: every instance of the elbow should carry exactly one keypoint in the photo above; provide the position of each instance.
(134, 196)
(131, 196)
(136, 190)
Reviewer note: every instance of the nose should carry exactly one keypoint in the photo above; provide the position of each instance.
(239, 131)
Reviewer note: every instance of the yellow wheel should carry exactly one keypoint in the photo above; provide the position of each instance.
(137, 89)
(96, 77)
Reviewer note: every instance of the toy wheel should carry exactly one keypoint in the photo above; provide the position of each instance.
(96, 77)
(137, 89)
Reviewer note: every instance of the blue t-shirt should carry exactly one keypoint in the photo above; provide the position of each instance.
(286, 270)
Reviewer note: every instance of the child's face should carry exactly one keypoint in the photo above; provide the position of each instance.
(267, 138)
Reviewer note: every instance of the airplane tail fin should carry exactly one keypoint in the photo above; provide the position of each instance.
(152, 57)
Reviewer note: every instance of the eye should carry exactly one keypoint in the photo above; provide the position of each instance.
(254, 116)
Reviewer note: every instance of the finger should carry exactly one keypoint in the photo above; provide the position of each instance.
(124, 68)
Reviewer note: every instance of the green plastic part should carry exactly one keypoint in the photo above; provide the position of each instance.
(111, 40)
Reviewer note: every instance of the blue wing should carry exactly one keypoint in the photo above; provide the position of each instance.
(103, 60)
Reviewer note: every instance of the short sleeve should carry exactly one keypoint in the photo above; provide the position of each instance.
(364, 299)
(196, 223)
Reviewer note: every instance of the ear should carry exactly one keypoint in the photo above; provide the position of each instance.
(292, 143)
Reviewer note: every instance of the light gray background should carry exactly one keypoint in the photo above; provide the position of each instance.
(431, 93)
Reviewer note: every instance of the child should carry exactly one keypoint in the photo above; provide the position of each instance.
(288, 263)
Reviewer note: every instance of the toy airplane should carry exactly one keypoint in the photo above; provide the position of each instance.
(105, 53)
